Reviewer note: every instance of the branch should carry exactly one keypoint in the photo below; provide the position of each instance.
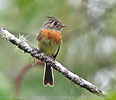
(56, 65)
(21, 74)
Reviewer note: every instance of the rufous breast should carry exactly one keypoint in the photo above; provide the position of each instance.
(51, 35)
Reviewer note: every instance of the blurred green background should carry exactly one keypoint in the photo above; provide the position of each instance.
(88, 48)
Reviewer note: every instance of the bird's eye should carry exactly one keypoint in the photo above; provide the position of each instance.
(55, 23)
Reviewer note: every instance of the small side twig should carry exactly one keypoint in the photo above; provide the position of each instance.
(21, 74)
(56, 65)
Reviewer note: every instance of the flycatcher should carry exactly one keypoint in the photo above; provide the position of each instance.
(49, 40)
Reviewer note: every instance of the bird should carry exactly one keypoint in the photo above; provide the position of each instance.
(49, 40)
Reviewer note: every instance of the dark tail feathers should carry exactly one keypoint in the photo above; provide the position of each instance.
(48, 76)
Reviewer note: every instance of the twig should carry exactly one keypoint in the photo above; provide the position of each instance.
(21, 74)
(56, 65)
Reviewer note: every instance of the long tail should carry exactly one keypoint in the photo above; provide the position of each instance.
(48, 76)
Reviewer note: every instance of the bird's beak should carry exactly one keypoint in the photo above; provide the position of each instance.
(63, 25)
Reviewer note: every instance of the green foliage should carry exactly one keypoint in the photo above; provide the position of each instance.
(5, 88)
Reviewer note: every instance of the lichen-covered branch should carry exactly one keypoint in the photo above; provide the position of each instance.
(56, 65)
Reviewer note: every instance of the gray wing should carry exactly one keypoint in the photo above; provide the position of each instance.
(39, 35)
(54, 56)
